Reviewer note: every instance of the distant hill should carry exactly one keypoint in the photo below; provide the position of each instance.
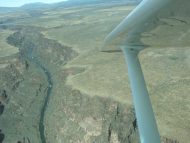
(85, 2)
(7, 9)
(64, 4)
(37, 5)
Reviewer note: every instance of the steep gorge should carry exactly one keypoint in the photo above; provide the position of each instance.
(65, 114)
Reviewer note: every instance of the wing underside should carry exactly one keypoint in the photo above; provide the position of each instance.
(154, 23)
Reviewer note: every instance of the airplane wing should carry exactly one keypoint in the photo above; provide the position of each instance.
(153, 23)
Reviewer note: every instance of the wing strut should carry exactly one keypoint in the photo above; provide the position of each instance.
(144, 113)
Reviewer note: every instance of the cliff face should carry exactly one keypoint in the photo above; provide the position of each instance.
(81, 118)
(166, 140)
(22, 92)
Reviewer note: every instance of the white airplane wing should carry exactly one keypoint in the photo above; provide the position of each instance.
(154, 23)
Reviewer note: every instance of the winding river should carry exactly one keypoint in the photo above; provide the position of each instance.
(29, 40)
(31, 56)
(33, 59)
